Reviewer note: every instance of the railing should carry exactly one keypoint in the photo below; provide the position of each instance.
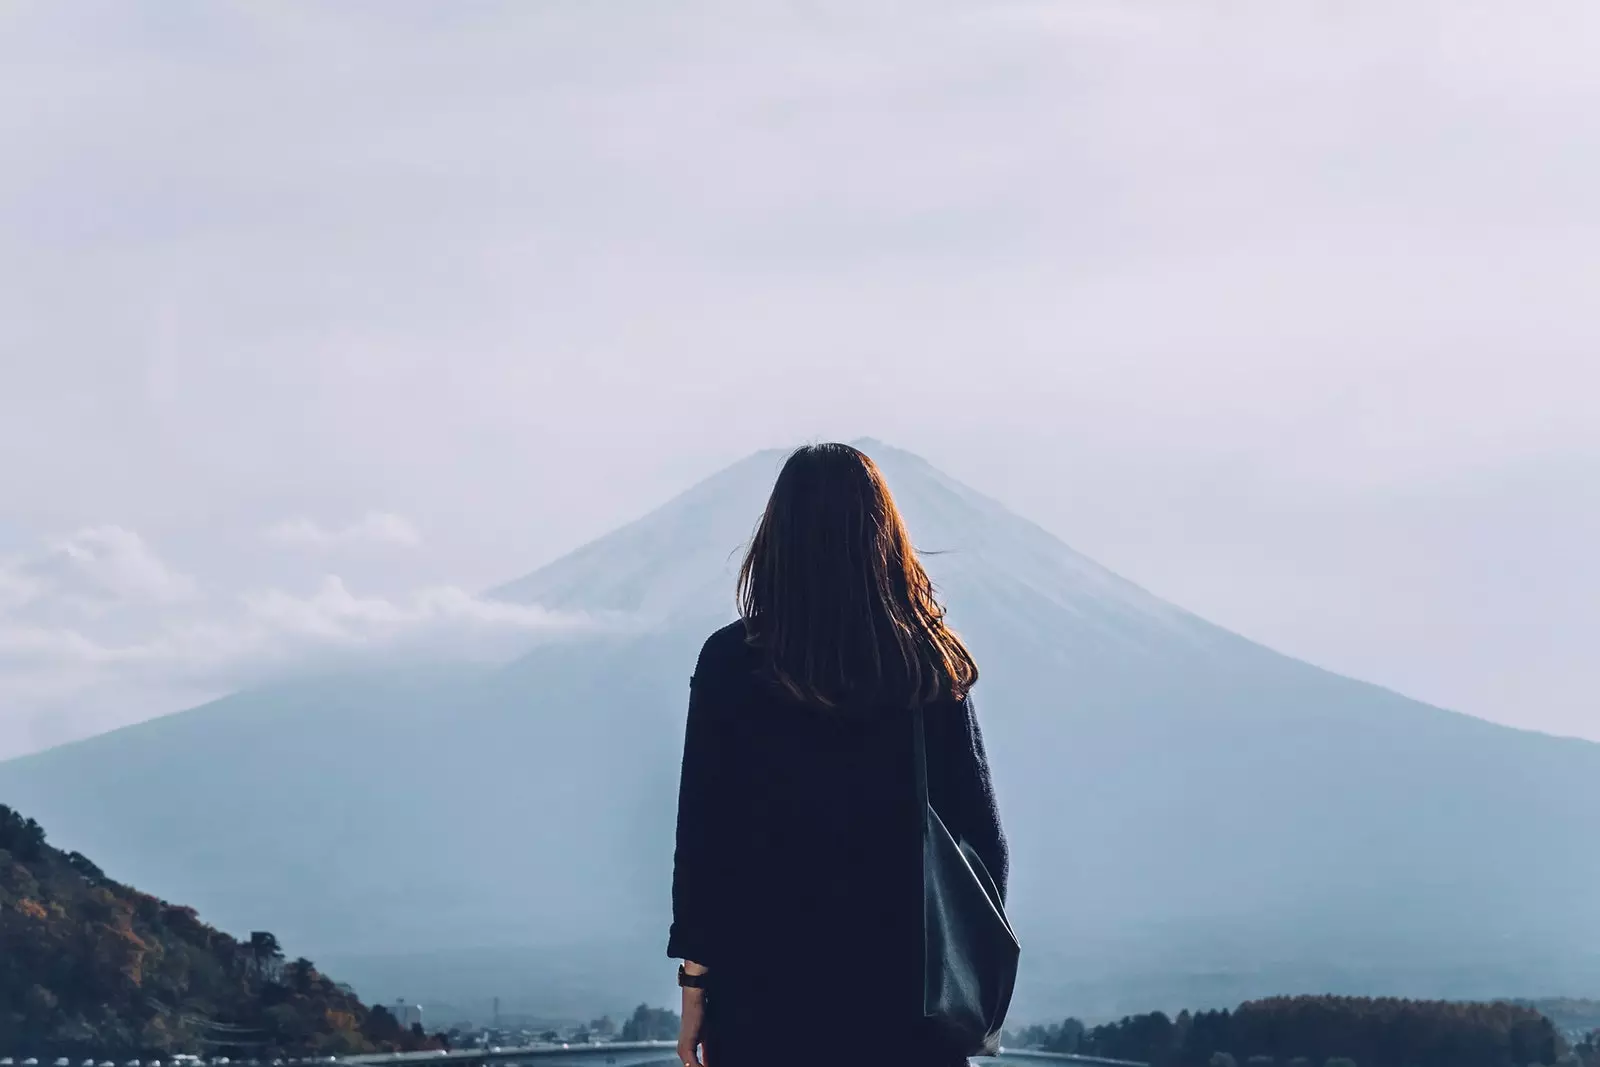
(1028, 1055)
(639, 1054)
(645, 1053)
(620, 1053)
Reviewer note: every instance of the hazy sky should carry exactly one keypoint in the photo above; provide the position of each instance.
(315, 318)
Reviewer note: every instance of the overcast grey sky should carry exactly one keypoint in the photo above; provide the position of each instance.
(316, 317)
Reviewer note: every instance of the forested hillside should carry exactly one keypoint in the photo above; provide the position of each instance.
(92, 966)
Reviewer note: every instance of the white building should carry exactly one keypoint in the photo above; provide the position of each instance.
(408, 1014)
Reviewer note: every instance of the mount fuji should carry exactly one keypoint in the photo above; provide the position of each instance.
(1194, 818)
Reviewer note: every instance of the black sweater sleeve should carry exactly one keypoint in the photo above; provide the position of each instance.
(970, 797)
(695, 877)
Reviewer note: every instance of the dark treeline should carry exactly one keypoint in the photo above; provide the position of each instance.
(1323, 1032)
(650, 1024)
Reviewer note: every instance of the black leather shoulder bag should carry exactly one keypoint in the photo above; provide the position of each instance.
(969, 951)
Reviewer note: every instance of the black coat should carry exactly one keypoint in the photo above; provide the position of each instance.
(797, 877)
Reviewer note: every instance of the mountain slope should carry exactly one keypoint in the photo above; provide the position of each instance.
(1191, 814)
(92, 966)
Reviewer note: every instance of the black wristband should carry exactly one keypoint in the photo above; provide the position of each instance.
(690, 981)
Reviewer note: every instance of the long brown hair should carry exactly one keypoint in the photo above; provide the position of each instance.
(833, 593)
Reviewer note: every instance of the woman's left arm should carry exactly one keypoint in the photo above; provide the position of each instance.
(694, 867)
(696, 874)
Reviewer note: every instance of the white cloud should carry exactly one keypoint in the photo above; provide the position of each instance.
(336, 614)
(110, 565)
(16, 586)
(96, 631)
(375, 527)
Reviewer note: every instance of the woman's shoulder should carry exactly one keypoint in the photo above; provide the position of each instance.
(952, 719)
(727, 651)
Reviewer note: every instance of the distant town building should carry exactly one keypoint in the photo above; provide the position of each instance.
(408, 1014)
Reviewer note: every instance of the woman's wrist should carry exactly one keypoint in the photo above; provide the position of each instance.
(691, 980)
